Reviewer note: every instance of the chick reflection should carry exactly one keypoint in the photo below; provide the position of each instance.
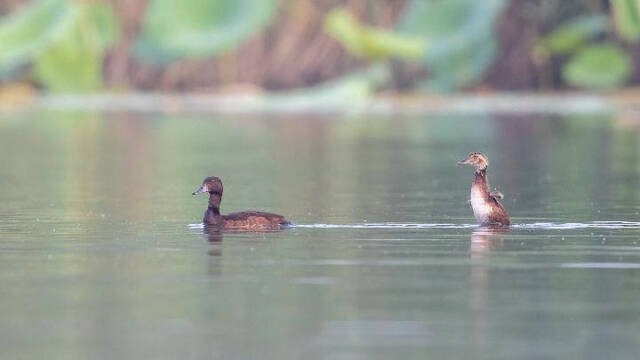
(485, 239)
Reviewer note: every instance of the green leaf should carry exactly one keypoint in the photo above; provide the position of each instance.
(371, 43)
(197, 28)
(104, 24)
(459, 35)
(350, 88)
(31, 30)
(74, 61)
(569, 37)
(627, 18)
(600, 66)
(462, 67)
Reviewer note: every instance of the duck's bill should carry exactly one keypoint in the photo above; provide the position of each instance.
(200, 190)
(463, 162)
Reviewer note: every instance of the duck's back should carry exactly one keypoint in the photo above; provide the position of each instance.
(254, 220)
(498, 214)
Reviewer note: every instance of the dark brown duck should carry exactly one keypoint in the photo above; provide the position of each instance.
(244, 220)
(486, 207)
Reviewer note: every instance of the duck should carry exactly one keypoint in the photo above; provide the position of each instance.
(486, 208)
(239, 221)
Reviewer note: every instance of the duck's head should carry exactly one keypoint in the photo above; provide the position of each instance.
(476, 159)
(212, 185)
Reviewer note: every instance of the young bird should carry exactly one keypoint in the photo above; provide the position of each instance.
(486, 208)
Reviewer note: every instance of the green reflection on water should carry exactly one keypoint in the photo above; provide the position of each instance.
(97, 258)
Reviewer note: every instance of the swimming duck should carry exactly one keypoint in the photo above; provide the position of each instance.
(486, 207)
(244, 220)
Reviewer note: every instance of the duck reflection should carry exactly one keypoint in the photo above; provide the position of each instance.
(213, 236)
(212, 233)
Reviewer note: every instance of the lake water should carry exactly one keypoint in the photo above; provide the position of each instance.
(102, 254)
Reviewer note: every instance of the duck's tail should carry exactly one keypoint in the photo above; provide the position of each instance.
(496, 194)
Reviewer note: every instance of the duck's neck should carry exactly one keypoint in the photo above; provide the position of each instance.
(214, 202)
(480, 180)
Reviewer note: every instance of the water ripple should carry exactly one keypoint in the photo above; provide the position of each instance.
(601, 265)
(525, 226)
(386, 226)
(589, 225)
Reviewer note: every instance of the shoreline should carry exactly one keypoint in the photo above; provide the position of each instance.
(456, 104)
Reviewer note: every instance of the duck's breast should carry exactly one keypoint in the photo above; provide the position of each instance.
(481, 207)
(212, 218)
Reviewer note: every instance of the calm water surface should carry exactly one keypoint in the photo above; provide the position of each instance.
(101, 255)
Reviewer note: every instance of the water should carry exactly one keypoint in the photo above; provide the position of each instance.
(102, 256)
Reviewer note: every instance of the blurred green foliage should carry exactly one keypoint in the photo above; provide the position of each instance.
(627, 18)
(570, 36)
(29, 31)
(370, 43)
(600, 66)
(196, 28)
(74, 62)
(591, 62)
(460, 36)
(65, 40)
(351, 89)
(61, 45)
(453, 39)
